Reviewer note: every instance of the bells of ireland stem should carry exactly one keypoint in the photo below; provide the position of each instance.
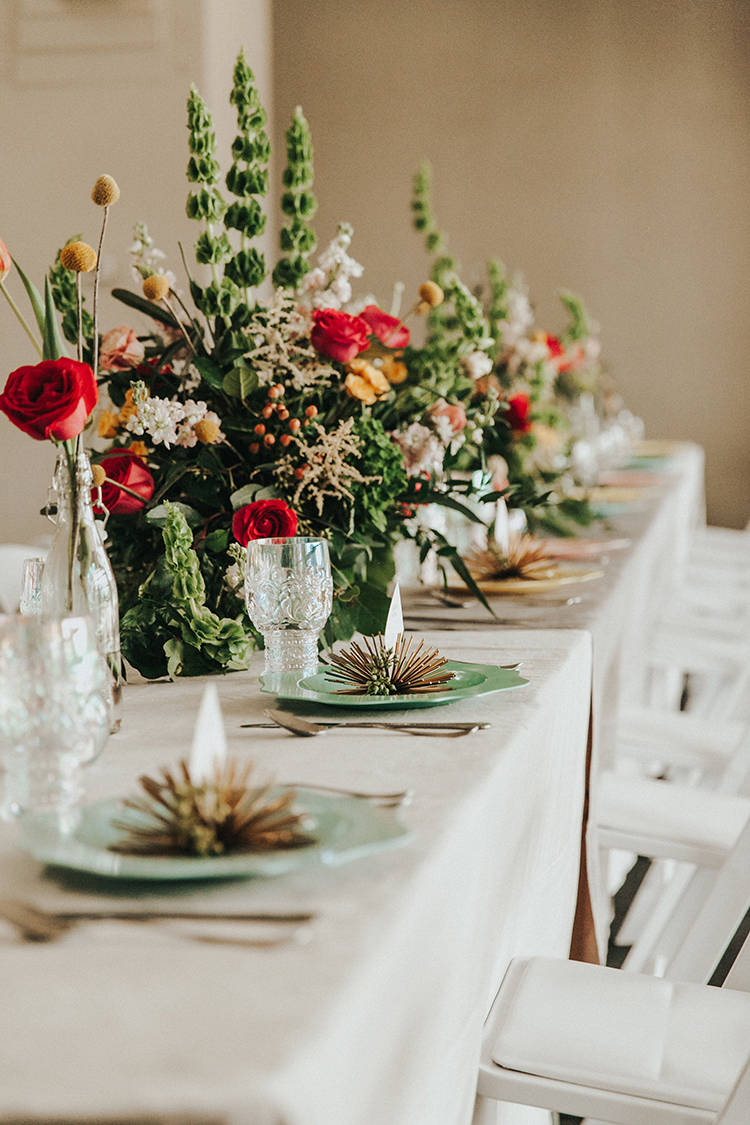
(78, 578)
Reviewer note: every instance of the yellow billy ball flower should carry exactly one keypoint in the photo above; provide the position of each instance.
(105, 191)
(206, 431)
(431, 294)
(155, 287)
(78, 257)
(99, 475)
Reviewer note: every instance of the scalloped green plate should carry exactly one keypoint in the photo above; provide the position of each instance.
(470, 680)
(345, 828)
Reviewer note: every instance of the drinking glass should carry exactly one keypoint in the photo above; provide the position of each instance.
(289, 592)
(31, 587)
(55, 711)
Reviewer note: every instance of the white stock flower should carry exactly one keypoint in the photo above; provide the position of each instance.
(422, 449)
(477, 364)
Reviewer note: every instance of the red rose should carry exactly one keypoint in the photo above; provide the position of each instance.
(388, 329)
(517, 414)
(125, 470)
(50, 400)
(557, 353)
(263, 519)
(337, 335)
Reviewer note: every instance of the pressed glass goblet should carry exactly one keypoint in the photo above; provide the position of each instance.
(31, 587)
(289, 592)
(55, 711)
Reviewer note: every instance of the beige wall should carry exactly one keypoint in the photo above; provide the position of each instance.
(93, 86)
(597, 145)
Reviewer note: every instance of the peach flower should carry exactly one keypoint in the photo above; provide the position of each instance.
(120, 349)
(449, 419)
(365, 382)
(108, 425)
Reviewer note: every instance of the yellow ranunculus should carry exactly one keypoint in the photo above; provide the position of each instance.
(357, 387)
(370, 375)
(139, 449)
(129, 408)
(394, 371)
(108, 425)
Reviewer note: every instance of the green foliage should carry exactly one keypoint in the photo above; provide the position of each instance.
(247, 177)
(170, 630)
(497, 308)
(63, 285)
(298, 202)
(206, 203)
(580, 326)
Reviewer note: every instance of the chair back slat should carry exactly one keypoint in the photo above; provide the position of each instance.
(717, 921)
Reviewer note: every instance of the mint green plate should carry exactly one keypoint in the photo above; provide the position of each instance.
(345, 828)
(470, 680)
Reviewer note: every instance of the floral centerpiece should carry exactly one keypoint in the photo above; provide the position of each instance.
(236, 416)
(530, 376)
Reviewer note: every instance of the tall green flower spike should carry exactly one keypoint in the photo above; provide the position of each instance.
(247, 178)
(298, 202)
(580, 326)
(497, 308)
(205, 203)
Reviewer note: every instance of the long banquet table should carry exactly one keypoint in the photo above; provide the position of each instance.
(377, 1019)
(619, 610)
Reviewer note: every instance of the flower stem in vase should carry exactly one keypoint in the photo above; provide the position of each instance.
(21, 319)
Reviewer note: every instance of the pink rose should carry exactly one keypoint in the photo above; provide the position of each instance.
(388, 329)
(337, 335)
(120, 349)
(5, 261)
(447, 418)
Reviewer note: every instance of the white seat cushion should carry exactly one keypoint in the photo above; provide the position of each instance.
(624, 1032)
(644, 806)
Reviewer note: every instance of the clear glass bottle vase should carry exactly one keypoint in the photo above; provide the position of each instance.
(78, 578)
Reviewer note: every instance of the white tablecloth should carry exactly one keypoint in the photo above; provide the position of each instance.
(377, 1020)
(620, 610)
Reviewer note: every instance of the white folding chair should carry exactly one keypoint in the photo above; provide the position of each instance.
(686, 831)
(626, 1048)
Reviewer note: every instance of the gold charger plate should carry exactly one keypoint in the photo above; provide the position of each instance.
(554, 576)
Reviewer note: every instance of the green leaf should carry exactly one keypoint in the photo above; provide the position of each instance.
(158, 516)
(156, 312)
(244, 495)
(210, 373)
(446, 501)
(240, 382)
(33, 292)
(53, 346)
(462, 571)
(216, 541)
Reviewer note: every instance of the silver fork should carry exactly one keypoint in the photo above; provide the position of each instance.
(34, 924)
(386, 800)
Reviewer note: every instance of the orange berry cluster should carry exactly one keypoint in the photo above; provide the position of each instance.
(274, 407)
